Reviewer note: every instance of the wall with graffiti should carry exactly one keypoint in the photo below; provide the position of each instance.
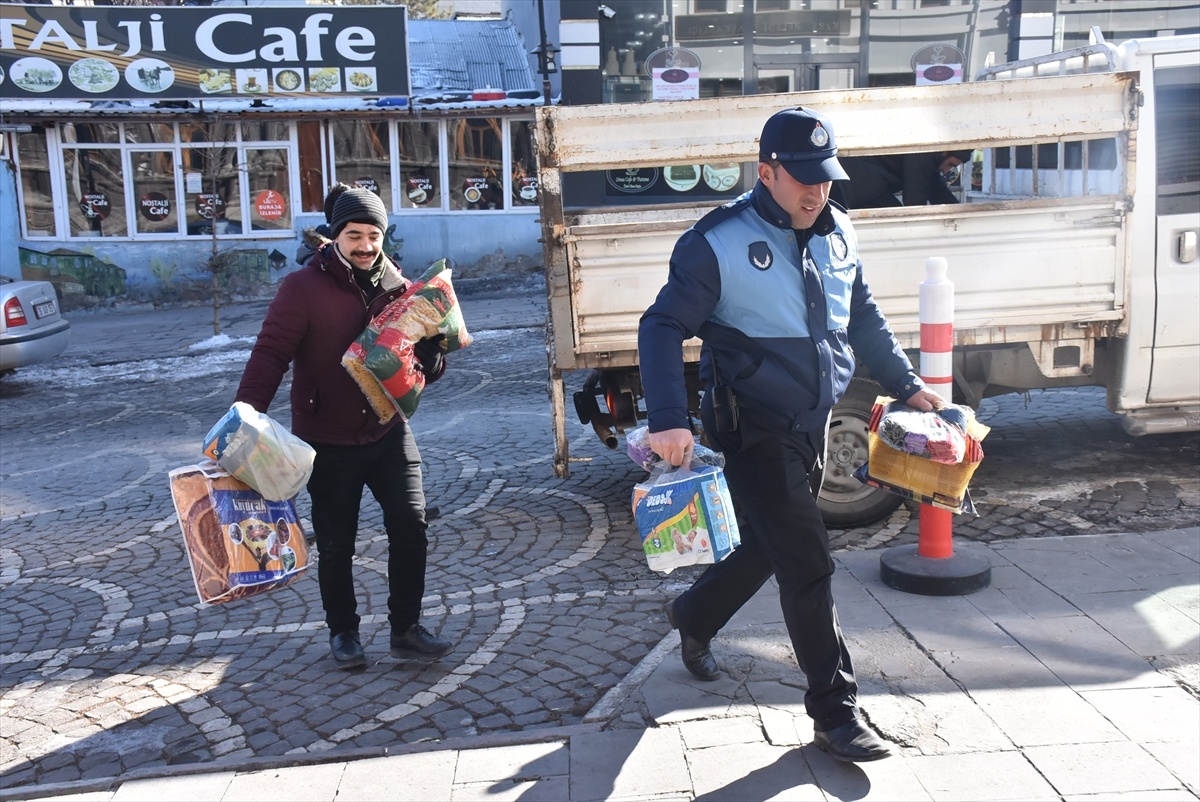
(90, 273)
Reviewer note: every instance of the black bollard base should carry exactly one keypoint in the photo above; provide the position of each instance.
(902, 568)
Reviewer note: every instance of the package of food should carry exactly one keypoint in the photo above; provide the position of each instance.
(685, 517)
(260, 451)
(939, 435)
(381, 360)
(920, 478)
(239, 544)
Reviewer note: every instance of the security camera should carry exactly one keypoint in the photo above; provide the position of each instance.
(606, 11)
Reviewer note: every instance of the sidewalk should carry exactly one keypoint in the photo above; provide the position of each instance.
(1074, 676)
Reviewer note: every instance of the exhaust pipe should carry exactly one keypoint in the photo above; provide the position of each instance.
(604, 431)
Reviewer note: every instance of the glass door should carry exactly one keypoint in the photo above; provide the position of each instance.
(802, 73)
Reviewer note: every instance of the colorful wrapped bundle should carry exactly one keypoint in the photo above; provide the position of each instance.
(381, 360)
(918, 476)
(941, 435)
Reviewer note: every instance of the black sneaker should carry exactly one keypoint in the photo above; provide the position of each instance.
(347, 650)
(417, 641)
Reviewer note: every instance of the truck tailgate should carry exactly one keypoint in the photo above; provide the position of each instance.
(1016, 266)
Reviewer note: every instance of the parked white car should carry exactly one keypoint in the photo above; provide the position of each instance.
(31, 328)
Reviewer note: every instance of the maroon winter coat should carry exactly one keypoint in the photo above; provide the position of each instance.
(317, 312)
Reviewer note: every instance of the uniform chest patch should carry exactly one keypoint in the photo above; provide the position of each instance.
(760, 255)
(837, 244)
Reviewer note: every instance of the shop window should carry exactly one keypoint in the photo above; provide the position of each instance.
(212, 191)
(156, 207)
(91, 133)
(267, 178)
(524, 164)
(265, 131)
(362, 156)
(36, 194)
(312, 174)
(149, 133)
(95, 192)
(214, 132)
(420, 159)
(476, 163)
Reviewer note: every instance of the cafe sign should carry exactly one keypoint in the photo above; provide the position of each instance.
(171, 53)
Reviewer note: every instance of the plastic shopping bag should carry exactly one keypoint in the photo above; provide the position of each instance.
(260, 451)
(942, 435)
(239, 544)
(381, 360)
(684, 516)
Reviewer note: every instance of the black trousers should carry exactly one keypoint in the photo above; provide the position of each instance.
(391, 468)
(774, 476)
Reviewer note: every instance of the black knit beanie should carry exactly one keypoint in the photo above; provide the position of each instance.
(335, 192)
(358, 206)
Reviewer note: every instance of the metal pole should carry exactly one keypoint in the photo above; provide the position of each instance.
(543, 47)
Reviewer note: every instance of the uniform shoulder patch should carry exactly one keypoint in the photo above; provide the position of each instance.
(760, 255)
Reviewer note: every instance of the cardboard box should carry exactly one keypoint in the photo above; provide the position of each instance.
(917, 477)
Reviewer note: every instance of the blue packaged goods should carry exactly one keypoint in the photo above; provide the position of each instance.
(685, 517)
(239, 544)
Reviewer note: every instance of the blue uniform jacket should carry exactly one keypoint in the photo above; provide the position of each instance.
(784, 311)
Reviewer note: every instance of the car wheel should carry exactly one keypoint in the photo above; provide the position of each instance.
(846, 502)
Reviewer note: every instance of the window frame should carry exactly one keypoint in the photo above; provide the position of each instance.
(56, 145)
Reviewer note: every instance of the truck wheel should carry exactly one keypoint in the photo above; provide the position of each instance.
(846, 502)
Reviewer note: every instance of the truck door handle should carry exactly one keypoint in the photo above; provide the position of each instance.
(1187, 247)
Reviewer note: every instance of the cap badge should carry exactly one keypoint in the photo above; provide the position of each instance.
(820, 137)
(760, 255)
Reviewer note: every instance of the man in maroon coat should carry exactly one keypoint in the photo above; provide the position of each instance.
(316, 314)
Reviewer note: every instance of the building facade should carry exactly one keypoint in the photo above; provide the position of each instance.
(611, 51)
(134, 167)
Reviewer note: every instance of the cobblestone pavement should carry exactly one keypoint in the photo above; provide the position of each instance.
(109, 665)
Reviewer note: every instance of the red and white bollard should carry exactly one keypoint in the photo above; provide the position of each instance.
(936, 313)
(931, 567)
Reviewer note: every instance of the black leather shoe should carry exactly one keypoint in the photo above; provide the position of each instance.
(431, 513)
(347, 650)
(697, 657)
(852, 743)
(417, 641)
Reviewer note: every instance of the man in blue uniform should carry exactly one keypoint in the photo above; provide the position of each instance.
(772, 284)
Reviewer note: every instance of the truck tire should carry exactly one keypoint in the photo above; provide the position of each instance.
(846, 502)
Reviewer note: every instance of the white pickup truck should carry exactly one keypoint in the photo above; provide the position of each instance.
(1074, 262)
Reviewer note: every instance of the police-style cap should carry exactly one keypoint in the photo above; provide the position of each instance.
(802, 141)
(358, 205)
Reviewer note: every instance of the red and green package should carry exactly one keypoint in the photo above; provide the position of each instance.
(381, 359)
